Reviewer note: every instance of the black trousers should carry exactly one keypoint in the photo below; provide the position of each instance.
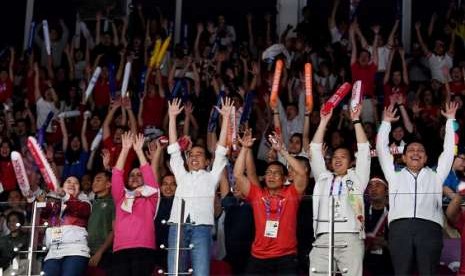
(282, 266)
(415, 240)
(133, 262)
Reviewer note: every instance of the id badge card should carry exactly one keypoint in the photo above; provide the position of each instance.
(271, 229)
(57, 235)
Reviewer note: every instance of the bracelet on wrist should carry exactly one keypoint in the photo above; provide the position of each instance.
(354, 122)
(275, 113)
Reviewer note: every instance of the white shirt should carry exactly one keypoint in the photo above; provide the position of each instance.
(43, 108)
(197, 188)
(357, 177)
(437, 64)
(410, 195)
(383, 57)
(296, 125)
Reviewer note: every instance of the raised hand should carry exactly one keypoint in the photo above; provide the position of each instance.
(247, 140)
(450, 110)
(174, 108)
(325, 118)
(138, 142)
(105, 158)
(276, 142)
(375, 29)
(355, 112)
(390, 114)
(126, 140)
(226, 107)
(200, 28)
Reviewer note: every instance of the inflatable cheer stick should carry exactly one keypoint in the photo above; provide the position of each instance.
(275, 87)
(308, 87)
(162, 52)
(127, 73)
(45, 29)
(156, 49)
(44, 167)
(92, 82)
(20, 171)
(336, 98)
(356, 95)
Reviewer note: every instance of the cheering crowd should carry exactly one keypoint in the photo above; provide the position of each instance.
(226, 132)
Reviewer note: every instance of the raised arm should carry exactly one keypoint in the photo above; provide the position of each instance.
(127, 142)
(98, 17)
(420, 39)
(132, 118)
(332, 17)
(404, 114)
(84, 142)
(137, 145)
(174, 109)
(36, 82)
(432, 22)
(374, 55)
(385, 157)
(242, 182)
(64, 132)
(451, 49)
(392, 34)
(387, 74)
(200, 29)
(363, 160)
(300, 179)
(404, 66)
(363, 40)
(353, 42)
(109, 118)
(317, 161)
(11, 64)
(225, 111)
(447, 156)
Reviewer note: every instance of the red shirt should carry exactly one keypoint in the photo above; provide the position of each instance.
(101, 94)
(390, 89)
(7, 176)
(6, 90)
(283, 207)
(366, 74)
(456, 87)
(460, 225)
(154, 111)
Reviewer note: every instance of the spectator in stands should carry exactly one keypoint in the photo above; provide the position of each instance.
(418, 218)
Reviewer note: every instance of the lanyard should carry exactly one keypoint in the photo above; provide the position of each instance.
(332, 187)
(267, 204)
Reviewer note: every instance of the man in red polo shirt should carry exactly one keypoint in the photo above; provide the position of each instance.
(275, 208)
(364, 68)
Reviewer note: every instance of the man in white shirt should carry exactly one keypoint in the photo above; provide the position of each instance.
(347, 185)
(415, 198)
(197, 188)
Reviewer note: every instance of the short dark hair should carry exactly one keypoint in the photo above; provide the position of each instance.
(208, 154)
(277, 163)
(106, 173)
(19, 215)
(414, 141)
(351, 154)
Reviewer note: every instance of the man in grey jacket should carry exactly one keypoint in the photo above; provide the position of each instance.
(415, 198)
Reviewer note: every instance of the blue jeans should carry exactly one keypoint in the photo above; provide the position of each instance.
(66, 266)
(200, 236)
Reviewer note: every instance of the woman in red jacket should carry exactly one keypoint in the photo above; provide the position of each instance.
(66, 239)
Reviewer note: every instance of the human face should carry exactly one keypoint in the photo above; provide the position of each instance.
(364, 58)
(274, 177)
(13, 220)
(396, 77)
(95, 122)
(168, 186)
(135, 179)
(291, 112)
(295, 145)
(340, 161)
(196, 159)
(101, 183)
(5, 150)
(75, 144)
(117, 136)
(415, 157)
(376, 190)
(15, 199)
(86, 182)
(398, 133)
(456, 74)
(439, 47)
(71, 186)
(459, 163)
